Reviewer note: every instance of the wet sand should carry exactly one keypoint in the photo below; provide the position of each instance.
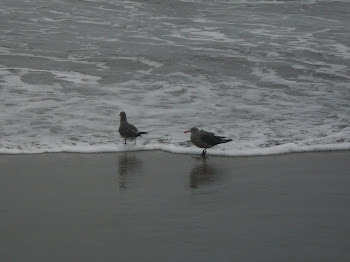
(156, 206)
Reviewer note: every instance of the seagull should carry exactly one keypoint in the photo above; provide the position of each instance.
(126, 130)
(204, 139)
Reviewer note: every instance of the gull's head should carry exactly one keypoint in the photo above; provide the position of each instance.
(192, 130)
(122, 114)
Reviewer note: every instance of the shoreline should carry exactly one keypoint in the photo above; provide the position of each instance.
(191, 152)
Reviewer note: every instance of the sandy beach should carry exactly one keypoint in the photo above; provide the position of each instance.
(156, 206)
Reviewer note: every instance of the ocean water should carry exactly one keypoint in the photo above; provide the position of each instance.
(271, 75)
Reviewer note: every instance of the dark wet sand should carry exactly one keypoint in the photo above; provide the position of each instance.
(156, 206)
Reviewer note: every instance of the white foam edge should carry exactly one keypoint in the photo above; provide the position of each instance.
(107, 148)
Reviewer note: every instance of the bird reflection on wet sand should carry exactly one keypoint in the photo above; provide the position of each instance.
(129, 165)
(203, 174)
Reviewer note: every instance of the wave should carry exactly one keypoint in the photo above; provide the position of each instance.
(107, 148)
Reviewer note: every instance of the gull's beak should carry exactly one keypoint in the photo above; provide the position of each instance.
(187, 131)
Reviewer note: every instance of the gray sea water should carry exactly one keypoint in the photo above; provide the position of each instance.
(271, 75)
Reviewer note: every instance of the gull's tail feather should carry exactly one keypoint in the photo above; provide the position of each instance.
(222, 139)
(141, 133)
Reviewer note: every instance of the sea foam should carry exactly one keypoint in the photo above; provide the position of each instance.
(113, 148)
(248, 70)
